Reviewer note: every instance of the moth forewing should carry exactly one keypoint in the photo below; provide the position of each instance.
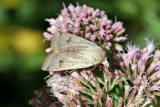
(94, 55)
(66, 40)
(72, 52)
(46, 63)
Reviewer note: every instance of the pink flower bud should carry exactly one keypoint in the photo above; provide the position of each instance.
(78, 20)
(118, 47)
(107, 37)
(157, 54)
(127, 90)
(117, 25)
(71, 8)
(109, 44)
(108, 26)
(119, 39)
(120, 32)
(85, 7)
(151, 68)
(101, 32)
(51, 21)
(155, 88)
(92, 37)
(52, 29)
(48, 50)
(65, 12)
(95, 13)
(70, 26)
(134, 68)
(111, 36)
(87, 35)
(150, 46)
(48, 36)
(93, 27)
(155, 76)
(122, 64)
(82, 15)
(90, 10)
(85, 20)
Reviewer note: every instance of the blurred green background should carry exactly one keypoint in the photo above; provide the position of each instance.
(22, 51)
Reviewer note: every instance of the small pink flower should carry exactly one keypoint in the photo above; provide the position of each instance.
(71, 8)
(109, 44)
(87, 35)
(95, 13)
(102, 32)
(155, 88)
(65, 12)
(107, 37)
(48, 36)
(90, 10)
(134, 68)
(51, 21)
(118, 39)
(93, 27)
(48, 50)
(92, 37)
(150, 46)
(85, 20)
(85, 8)
(157, 54)
(127, 90)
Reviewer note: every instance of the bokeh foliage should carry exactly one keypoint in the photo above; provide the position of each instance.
(22, 50)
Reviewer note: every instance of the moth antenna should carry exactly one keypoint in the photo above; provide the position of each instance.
(111, 69)
(68, 75)
(47, 77)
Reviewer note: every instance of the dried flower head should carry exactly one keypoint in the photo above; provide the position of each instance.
(88, 23)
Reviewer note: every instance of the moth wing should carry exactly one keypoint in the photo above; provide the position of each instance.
(73, 52)
(65, 61)
(65, 40)
(71, 43)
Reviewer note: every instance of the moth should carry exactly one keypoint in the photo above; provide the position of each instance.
(72, 52)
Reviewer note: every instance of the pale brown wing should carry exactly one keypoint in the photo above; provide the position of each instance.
(65, 61)
(61, 41)
(72, 60)
(72, 52)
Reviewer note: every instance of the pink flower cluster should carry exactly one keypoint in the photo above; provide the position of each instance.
(142, 68)
(82, 88)
(88, 23)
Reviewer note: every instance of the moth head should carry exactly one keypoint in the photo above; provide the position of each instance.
(105, 62)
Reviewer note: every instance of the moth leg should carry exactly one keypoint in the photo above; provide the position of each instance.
(69, 72)
(68, 76)
(91, 71)
(47, 77)
(104, 62)
(94, 67)
(93, 76)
